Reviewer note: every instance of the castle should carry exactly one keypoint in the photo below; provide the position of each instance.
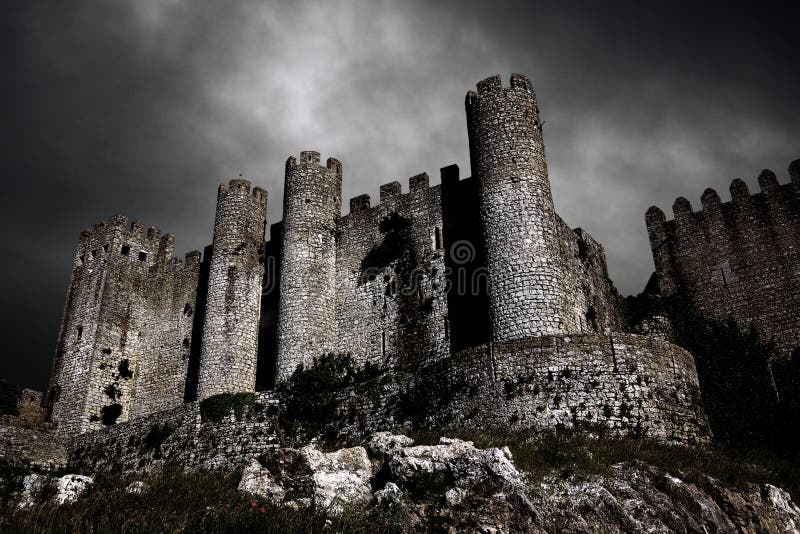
(475, 283)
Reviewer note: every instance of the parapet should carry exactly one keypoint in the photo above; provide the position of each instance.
(794, 171)
(419, 182)
(390, 191)
(493, 84)
(240, 186)
(309, 158)
(767, 181)
(359, 203)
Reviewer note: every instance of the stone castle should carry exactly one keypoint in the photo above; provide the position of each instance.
(474, 286)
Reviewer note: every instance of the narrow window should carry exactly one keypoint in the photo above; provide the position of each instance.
(94, 254)
(437, 237)
(126, 249)
(143, 256)
(383, 343)
(83, 258)
(724, 279)
(105, 248)
(446, 328)
(80, 333)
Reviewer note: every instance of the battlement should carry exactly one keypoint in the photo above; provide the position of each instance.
(240, 186)
(311, 158)
(712, 207)
(493, 84)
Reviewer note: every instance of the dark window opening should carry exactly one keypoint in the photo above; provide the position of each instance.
(308, 201)
(110, 413)
(80, 333)
(383, 343)
(437, 237)
(446, 328)
(105, 248)
(143, 256)
(126, 249)
(82, 258)
(94, 254)
(187, 310)
(724, 278)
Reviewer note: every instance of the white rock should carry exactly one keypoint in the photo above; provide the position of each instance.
(32, 486)
(259, 482)
(137, 487)
(410, 462)
(70, 487)
(386, 442)
(455, 496)
(340, 477)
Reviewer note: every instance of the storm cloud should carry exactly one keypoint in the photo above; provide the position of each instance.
(143, 107)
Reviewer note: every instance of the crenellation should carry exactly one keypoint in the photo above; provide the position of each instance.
(390, 191)
(359, 203)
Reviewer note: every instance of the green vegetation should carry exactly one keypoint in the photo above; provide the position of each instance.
(312, 396)
(217, 407)
(176, 502)
(575, 453)
(736, 382)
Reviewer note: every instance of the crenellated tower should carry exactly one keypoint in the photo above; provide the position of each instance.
(307, 309)
(230, 332)
(518, 221)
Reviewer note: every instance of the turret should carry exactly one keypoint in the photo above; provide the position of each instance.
(307, 309)
(230, 333)
(519, 226)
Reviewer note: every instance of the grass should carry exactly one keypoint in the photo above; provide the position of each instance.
(177, 502)
(566, 454)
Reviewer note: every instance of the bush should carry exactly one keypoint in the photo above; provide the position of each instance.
(217, 407)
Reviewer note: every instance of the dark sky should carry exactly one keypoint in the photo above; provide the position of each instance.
(143, 107)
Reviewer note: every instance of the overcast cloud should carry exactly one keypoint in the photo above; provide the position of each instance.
(143, 107)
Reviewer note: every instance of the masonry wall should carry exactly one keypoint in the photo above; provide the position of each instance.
(739, 258)
(391, 305)
(626, 384)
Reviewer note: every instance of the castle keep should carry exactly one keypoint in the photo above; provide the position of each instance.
(474, 286)
(737, 259)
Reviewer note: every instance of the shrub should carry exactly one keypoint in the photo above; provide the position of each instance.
(216, 407)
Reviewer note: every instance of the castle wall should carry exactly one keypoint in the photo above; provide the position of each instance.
(391, 306)
(230, 332)
(307, 308)
(520, 229)
(739, 258)
(625, 384)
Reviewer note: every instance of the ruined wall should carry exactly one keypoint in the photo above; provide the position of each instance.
(520, 230)
(230, 333)
(391, 306)
(630, 385)
(108, 327)
(306, 317)
(739, 258)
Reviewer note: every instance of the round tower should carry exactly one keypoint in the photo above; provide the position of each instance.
(307, 309)
(230, 331)
(520, 232)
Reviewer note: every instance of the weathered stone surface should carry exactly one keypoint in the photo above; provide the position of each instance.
(258, 481)
(137, 487)
(339, 478)
(32, 487)
(70, 487)
(386, 442)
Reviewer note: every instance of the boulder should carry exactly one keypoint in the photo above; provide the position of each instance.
(32, 487)
(258, 481)
(339, 478)
(70, 487)
(384, 443)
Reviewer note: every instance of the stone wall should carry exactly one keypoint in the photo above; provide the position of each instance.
(739, 258)
(391, 305)
(179, 437)
(35, 442)
(630, 385)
